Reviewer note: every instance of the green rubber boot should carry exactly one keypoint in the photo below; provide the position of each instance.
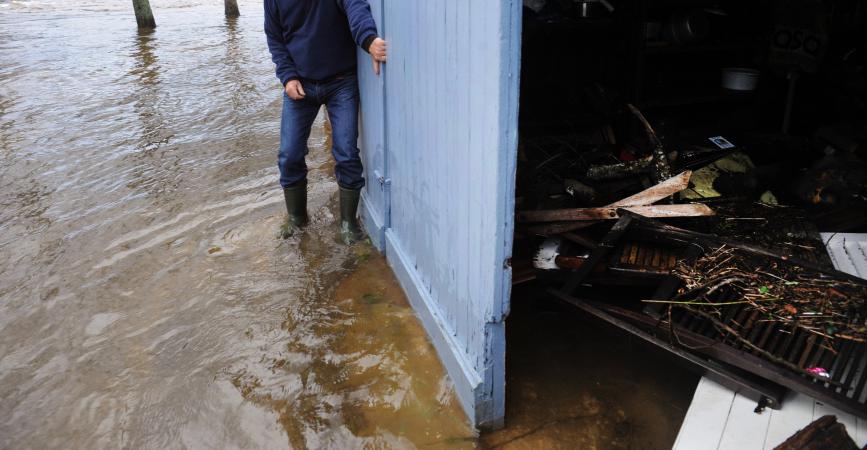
(296, 208)
(350, 233)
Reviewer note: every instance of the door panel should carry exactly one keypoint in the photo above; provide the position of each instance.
(451, 111)
(374, 209)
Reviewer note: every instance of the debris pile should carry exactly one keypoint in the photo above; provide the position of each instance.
(824, 305)
(737, 281)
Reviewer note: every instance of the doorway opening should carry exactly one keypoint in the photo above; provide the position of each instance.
(761, 105)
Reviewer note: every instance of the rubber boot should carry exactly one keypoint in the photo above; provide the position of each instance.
(296, 208)
(350, 233)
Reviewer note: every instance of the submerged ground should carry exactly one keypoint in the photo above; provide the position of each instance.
(145, 301)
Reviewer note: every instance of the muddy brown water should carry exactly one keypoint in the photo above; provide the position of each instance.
(145, 301)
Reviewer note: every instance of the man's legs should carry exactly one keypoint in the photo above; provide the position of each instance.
(342, 103)
(295, 123)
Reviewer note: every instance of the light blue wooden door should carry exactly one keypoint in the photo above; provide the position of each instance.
(375, 201)
(451, 143)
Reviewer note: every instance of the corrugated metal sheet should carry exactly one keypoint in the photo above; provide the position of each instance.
(848, 252)
(450, 134)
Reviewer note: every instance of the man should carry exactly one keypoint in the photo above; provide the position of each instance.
(312, 43)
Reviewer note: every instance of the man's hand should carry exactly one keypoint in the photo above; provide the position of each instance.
(294, 90)
(378, 52)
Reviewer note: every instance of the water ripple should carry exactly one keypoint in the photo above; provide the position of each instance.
(144, 299)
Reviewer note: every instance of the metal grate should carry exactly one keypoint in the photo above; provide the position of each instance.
(642, 258)
(845, 364)
(692, 336)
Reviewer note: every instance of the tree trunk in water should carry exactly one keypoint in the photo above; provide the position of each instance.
(232, 8)
(143, 14)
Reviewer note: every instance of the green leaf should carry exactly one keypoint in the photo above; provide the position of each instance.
(764, 289)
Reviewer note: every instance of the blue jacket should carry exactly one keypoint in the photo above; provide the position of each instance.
(315, 39)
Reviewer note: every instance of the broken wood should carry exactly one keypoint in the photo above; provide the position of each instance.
(610, 213)
(624, 169)
(620, 170)
(661, 167)
(823, 434)
(639, 203)
(657, 192)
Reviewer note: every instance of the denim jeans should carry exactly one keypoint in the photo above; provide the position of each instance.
(340, 97)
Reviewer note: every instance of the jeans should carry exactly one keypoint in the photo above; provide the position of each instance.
(340, 97)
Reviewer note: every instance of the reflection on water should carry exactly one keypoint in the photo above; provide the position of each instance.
(153, 134)
(145, 301)
(365, 373)
(145, 68)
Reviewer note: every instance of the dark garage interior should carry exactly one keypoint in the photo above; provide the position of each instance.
(757, 110)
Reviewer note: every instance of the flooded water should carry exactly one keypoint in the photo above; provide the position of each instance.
(573, 383)
(145, 301)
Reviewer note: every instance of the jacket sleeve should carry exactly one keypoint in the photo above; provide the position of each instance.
(286, 70)
(361, 22)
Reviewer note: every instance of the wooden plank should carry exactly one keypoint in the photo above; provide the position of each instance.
(610, 213)
(663, 211)
(796, 413)
(705, 420)
(646, 197)
(601, 251)
(845, 418)
(657, 192)
(825, 433)
(744, 428)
